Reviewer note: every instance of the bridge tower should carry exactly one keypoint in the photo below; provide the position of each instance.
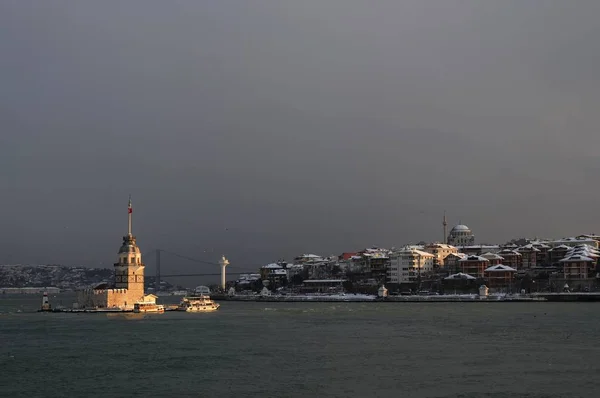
(157, 282)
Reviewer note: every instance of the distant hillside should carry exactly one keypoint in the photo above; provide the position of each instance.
(52, 275)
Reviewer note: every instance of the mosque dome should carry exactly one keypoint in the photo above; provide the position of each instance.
(461, 235)
(461, 227)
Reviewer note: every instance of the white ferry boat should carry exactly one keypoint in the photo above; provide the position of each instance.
(198, 303)
(143, 307)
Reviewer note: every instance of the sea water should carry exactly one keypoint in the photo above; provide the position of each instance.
(253, 349)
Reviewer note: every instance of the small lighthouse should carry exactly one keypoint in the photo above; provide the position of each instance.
(45, 303)
(223, 263)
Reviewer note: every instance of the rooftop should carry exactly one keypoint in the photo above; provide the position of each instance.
(460, 275)
(499, 267)
(473, 258)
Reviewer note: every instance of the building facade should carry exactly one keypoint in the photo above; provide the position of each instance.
(440, 252)
(406, 265)
(473, 265)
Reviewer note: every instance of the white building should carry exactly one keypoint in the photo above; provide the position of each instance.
(405, 265)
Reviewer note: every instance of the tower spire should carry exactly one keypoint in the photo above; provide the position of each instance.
(129, 214)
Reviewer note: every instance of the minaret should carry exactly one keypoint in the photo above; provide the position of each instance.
(223, 263)
(445, 225)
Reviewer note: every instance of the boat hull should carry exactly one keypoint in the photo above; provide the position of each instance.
(206, 308)
(200, 303)
(148, 309)
(156, 311)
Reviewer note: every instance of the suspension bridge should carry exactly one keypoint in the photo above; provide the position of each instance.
(207, 265)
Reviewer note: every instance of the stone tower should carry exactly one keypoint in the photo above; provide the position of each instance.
(129, 270)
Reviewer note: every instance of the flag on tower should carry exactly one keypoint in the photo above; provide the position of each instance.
(129, 208)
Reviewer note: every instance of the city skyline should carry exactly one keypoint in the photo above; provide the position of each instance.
(280, 128)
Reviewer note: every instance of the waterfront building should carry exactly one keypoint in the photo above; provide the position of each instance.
(478, 250)
(440, 252)
(529, 255)
(377, 261)
(459, 282)
(322, 269)
(499, 276)
(586, 251)
(512, 258)
(451, 261)
(575, 241)
(578, 267)
(308, 258)
(322, 285)
(128, 284)
(557, 253)
(406, 265)
(294, 269)
(248, 282)
(493, 258)
(274, 273)
(355, 264)
(461, 235)
(543, 257)
(473, 265)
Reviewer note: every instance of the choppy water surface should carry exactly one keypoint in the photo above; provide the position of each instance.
(304, 350)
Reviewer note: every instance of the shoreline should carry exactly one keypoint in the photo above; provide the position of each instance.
(473, 298)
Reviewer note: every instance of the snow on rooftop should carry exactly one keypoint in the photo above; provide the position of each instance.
(577, 258)
(560, 247)
(492, 256)
(473, 258)
(460, 275)
(416, 252)
(583, 250)
(499, 267)
(528, 247)
(272, 266)
(440, 245)
(507, 252)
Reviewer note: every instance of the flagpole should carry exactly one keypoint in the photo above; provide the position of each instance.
(129, 213)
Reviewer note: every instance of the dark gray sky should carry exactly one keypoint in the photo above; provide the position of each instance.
(300, 126)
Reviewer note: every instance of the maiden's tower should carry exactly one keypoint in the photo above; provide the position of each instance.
(128, 286)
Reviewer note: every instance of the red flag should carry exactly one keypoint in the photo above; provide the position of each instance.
(130, 210)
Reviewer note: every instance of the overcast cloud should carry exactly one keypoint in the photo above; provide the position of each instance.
(264, 129)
